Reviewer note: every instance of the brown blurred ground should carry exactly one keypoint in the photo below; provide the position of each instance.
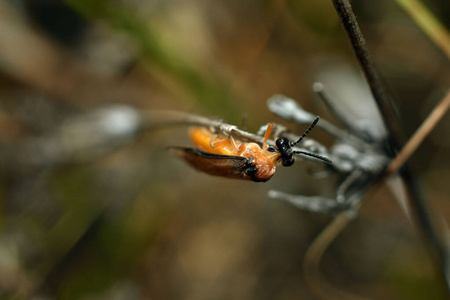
(136, 223)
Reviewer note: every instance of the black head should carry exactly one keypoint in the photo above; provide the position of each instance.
(285, 149)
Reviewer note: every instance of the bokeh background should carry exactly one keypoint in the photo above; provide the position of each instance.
(90, 214)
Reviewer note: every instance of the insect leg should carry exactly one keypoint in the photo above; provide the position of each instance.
(233, 142)
(214, 143)
(267, 135)
(219, 144)
(213, 138)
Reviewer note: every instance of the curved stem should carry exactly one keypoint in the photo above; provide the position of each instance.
(422, 132)
(314, 255)
(419, 207)
(428, 23)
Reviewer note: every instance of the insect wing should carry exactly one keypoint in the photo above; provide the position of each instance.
(214, 164)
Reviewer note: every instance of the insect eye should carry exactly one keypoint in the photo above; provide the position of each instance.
(272, 149)
(282, 143)
(289, 161)
(251, 171)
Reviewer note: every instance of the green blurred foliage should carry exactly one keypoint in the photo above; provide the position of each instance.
(209, 90)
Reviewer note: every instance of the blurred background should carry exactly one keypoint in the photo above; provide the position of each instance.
(92, 207)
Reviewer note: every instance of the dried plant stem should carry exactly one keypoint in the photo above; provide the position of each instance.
(314, 255)
(419, 207)
(422, 132)
(163, 118)
(378, 89)
(428, 23)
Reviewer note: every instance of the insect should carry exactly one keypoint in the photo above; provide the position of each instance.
(232, 158)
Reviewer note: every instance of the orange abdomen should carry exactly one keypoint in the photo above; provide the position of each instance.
(203, 139)
(259, 158)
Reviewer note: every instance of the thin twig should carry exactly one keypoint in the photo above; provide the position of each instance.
(378, 89)
(314, 255)
(428, 23)
(422, 132)
(419, 207)
(162, 118)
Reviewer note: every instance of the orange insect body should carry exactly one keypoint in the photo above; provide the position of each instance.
(232, 158)
(264, 161)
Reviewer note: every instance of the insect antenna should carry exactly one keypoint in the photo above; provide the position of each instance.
(323, 158)
(307, 131)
